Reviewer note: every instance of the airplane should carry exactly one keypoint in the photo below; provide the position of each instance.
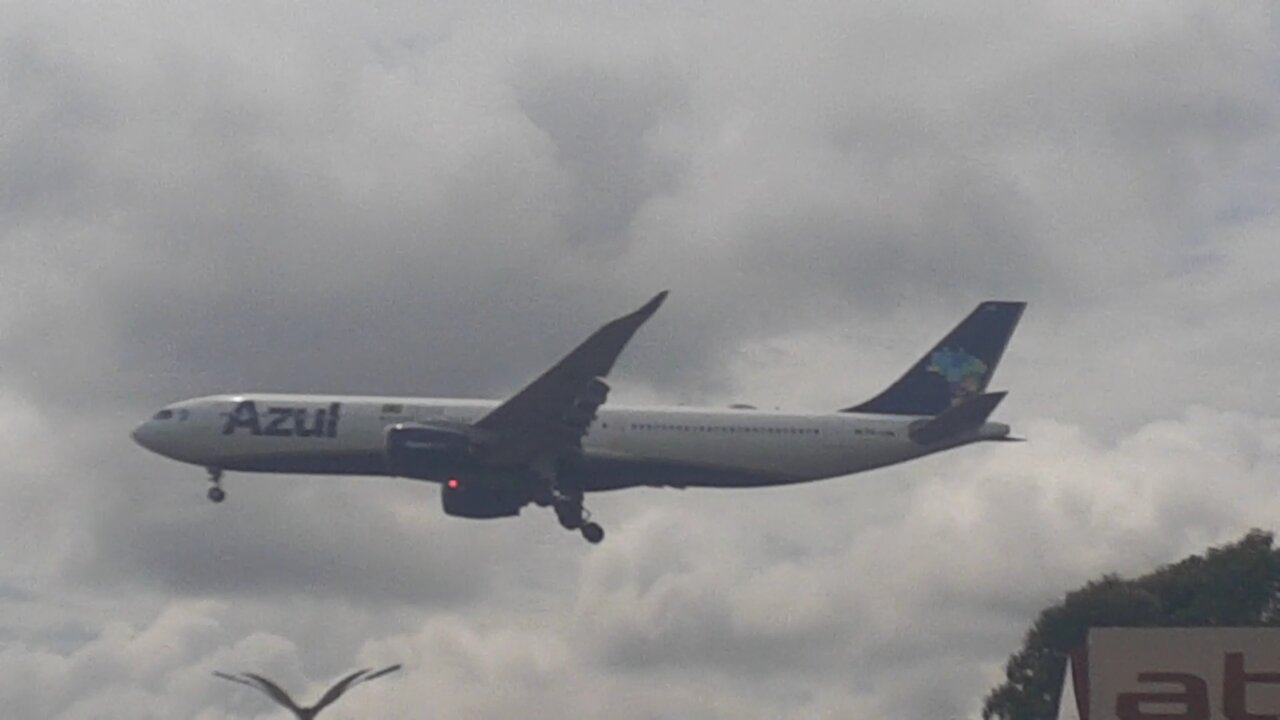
(555, 440)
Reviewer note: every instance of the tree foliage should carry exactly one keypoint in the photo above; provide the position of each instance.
(1235, 585)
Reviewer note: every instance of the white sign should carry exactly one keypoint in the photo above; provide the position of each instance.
(1177, 674)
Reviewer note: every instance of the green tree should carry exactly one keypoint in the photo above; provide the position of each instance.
(1235, 585)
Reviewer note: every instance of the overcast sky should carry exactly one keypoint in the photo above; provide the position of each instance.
(442, 198)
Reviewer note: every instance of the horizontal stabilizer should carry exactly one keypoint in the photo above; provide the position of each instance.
(970, 414)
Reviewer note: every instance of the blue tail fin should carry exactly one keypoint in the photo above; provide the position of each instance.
(957, 368)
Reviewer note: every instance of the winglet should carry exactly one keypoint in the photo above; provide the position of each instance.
(572, 382)
(652, 306)
(602, 348)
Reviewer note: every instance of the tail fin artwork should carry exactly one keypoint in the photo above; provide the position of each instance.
(956, 369)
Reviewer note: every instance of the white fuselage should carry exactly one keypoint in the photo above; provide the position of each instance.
(624, 446)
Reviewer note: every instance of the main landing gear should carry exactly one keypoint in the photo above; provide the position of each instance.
(563, 495)
(563, 492)
(573, 516)
(216, 493)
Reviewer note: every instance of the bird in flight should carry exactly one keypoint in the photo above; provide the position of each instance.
(307, 713)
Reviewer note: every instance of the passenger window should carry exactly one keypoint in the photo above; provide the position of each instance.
(392, 409)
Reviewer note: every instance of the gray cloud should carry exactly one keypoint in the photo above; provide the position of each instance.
(442, 200)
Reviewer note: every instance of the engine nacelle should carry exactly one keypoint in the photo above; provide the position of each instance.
(429, 452)
(481, 494)
(425, 452)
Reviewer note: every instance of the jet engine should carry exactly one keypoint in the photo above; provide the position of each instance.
(443, 454)
(425, 452)
(485, 493)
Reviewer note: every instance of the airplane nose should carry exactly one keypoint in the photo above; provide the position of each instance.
(142, 435)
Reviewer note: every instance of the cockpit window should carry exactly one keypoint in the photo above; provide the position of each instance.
(163, 415)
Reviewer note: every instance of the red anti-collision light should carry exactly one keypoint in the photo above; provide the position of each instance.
(453, 483)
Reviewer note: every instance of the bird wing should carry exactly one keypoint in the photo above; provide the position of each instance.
(380, 673)
(349, 682)
(273, 690)
(234, 679)
(338, 688)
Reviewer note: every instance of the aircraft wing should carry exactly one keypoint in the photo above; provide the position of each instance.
(552, 413)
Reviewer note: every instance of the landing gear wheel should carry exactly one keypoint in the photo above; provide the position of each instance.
(215, 493)
(593, 533)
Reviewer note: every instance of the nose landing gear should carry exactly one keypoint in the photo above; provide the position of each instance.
(216, 493)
